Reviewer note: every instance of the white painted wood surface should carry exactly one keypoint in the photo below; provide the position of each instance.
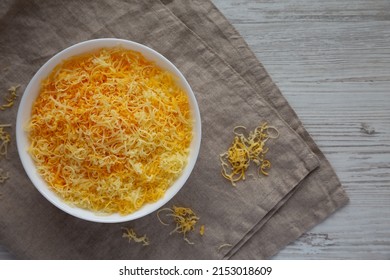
(331, 59)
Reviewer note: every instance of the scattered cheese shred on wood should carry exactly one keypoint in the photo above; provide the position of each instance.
(247, 149)
(130, 234)
(184, 218)
(11, 98)
(4, 175)
(5, 139)
(110, 131)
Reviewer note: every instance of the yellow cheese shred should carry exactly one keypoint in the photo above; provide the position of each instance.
(11, 98)
(184, 218)
(201, 230)
(4, 175)
(224, 245)
(110, 131)
(246, 149)
(5, 139)
(130, 234)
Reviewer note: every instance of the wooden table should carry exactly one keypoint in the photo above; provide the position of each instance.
(331, 59)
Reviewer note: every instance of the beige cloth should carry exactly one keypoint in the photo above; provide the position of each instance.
(258, 217)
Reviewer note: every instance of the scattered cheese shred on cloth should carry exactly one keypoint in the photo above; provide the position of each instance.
(5, 139)
(10, 99)
(184, 218)
(4, 175)
(131, 235)
(246, 149)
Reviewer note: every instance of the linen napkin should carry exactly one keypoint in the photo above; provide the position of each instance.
(257, 218)
(234, 50)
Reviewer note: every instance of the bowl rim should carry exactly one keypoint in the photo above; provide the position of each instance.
(24, 114)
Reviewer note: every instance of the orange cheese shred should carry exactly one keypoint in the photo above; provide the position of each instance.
(110, 131)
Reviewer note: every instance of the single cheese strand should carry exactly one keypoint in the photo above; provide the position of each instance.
(4, 175)
(5, 139)
(225, 245)
(130, 234)
(201, 230)
(110, 131)
(11, 98)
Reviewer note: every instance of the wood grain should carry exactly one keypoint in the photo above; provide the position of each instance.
(331, 59)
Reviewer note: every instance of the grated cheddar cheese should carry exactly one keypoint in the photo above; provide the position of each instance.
(131, 235)
(4, 175)
(110, 131)
(246, 149)
(185, 220)
(201, 230)
(11, 98)
(5, 139)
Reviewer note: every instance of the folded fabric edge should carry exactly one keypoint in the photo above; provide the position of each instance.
(338, 197)
(269, 214)
(311, 162)
(324, 210)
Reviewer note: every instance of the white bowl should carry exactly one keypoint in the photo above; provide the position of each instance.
(24, 115)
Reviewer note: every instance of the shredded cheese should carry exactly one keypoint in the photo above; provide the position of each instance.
(11, 98)
(246, 149)
(130, 234)
(4, 175)
(110, 131)
(5, 139)
(201, 230)
(184, 218)
(225, 245)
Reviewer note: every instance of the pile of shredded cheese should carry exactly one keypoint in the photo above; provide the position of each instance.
(246, 149)
(130, 234)
(5, 139)
(110, 130)
(185, 220)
